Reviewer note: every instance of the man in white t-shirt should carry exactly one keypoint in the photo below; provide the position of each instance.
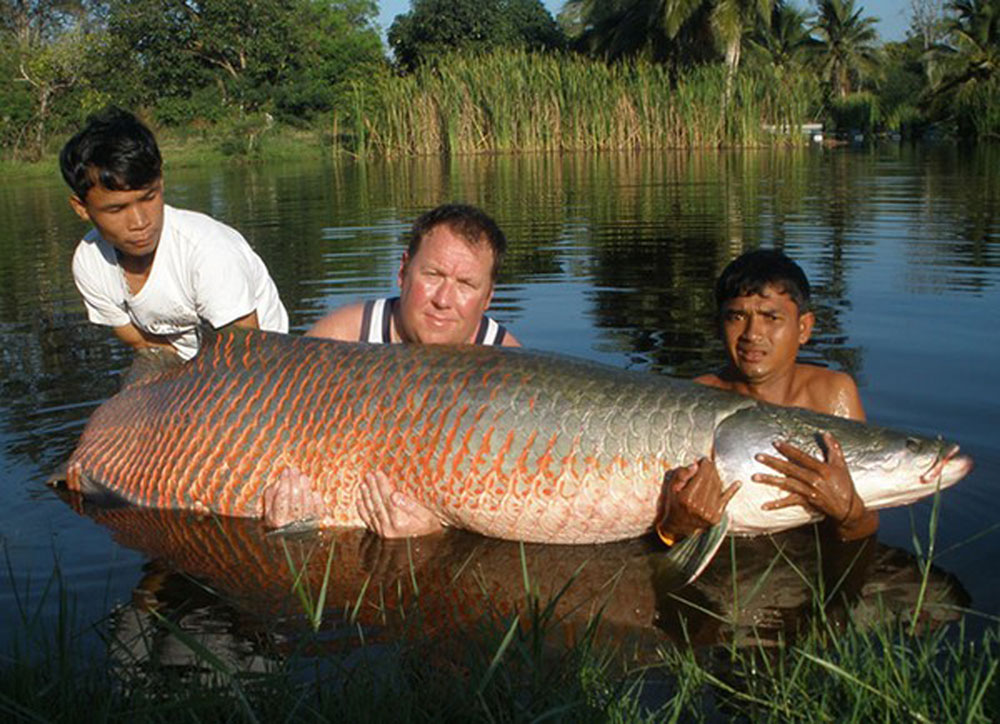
(151, 272)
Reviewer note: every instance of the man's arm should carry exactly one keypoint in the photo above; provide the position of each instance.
(693, 499)
(247, 322)
(509, 340)
(137, 338)
(823, 485)
(343, 323)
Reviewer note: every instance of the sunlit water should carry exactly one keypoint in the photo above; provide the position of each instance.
(612, 258)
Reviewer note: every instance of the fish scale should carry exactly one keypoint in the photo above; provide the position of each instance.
(509, 443)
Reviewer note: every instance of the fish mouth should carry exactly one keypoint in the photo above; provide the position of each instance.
(948, 469)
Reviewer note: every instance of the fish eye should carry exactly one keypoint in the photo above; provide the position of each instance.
(913, 445)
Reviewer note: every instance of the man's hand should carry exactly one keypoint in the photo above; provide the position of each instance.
(293, 498)
(822, 485)
(695, 499)
(390, 514)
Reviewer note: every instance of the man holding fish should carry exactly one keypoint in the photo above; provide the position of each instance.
(762, 300)
(763, 319)
(446, 280)
(151, 272)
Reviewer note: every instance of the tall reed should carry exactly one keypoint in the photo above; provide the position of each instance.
(513, 100)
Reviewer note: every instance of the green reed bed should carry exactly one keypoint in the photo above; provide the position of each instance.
(512, 101)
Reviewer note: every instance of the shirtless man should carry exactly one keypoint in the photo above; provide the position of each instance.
(762, 299)
(151, 272)
(446, 280)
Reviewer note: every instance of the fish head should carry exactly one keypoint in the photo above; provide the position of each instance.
(888, 467)
(894, 468)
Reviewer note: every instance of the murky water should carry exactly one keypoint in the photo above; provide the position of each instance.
(613, 258)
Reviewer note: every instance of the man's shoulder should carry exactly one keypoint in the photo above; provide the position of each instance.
(343, 323)
(194, 226)
(830, 391)
(93, 254)
(823, 377)
(713, 379)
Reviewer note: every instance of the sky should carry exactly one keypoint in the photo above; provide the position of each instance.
(893, 15)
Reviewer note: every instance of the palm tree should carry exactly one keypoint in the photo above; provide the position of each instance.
(731, 20)
(846, 52)
(786, 41)
(681, 30)
(973, 56)
(662, 29)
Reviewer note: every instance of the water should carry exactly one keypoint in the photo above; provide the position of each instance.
(612, 258)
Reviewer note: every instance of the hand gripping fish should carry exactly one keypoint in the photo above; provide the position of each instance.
(505, 442)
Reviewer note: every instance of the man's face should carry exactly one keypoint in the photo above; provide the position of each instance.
(131, 221)
(444, 289)
(762, 333)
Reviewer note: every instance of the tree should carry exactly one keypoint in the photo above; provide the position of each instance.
(927, 23)
(973, 53)
(847, 52)
(435, 27)
(785, 42)
(198, 59)
(45, 45)
(731, 19)
(970, 67)
(673, 31)
(678, 31)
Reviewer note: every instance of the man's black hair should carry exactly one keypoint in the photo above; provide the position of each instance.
(749, 273)
(469, 222)
(114, 150)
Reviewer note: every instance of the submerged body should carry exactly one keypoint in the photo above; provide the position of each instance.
(507, 443)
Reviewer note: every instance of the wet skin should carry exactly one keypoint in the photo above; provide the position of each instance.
(762, 334)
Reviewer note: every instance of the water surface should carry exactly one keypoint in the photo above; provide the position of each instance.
(612, 258)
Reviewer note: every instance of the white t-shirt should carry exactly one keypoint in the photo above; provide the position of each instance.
(203, 270)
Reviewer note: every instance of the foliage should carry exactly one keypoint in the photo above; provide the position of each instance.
(674, 31)
(228, 62)
(847, 55)
(902, 87)
(516, 101)
(784, 41)
(433, 28)
(855, 113)
(969, 85)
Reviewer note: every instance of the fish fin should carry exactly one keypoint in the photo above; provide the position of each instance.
(693, 554)
(79, 483)
(148, 363)
(58, 478)
(297, 527)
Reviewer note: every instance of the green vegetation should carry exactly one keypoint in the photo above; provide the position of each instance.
(518, 101)
(434, 28)
(232, 73)
(511, 667)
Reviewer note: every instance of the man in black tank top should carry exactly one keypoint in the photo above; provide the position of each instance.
(446, 279)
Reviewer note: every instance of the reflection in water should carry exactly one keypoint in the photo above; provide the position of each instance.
(612, 258)
(229, 586)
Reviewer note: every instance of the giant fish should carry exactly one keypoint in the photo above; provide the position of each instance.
(508, 443)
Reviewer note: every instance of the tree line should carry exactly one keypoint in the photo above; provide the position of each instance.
(238, 68)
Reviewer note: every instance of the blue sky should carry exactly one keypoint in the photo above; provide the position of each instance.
(893, 15)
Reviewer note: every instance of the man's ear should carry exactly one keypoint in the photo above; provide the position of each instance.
(806, 322)
(404, 260)
(79, 207)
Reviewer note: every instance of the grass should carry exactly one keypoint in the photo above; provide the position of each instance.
(509, 665)
(515, 101)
